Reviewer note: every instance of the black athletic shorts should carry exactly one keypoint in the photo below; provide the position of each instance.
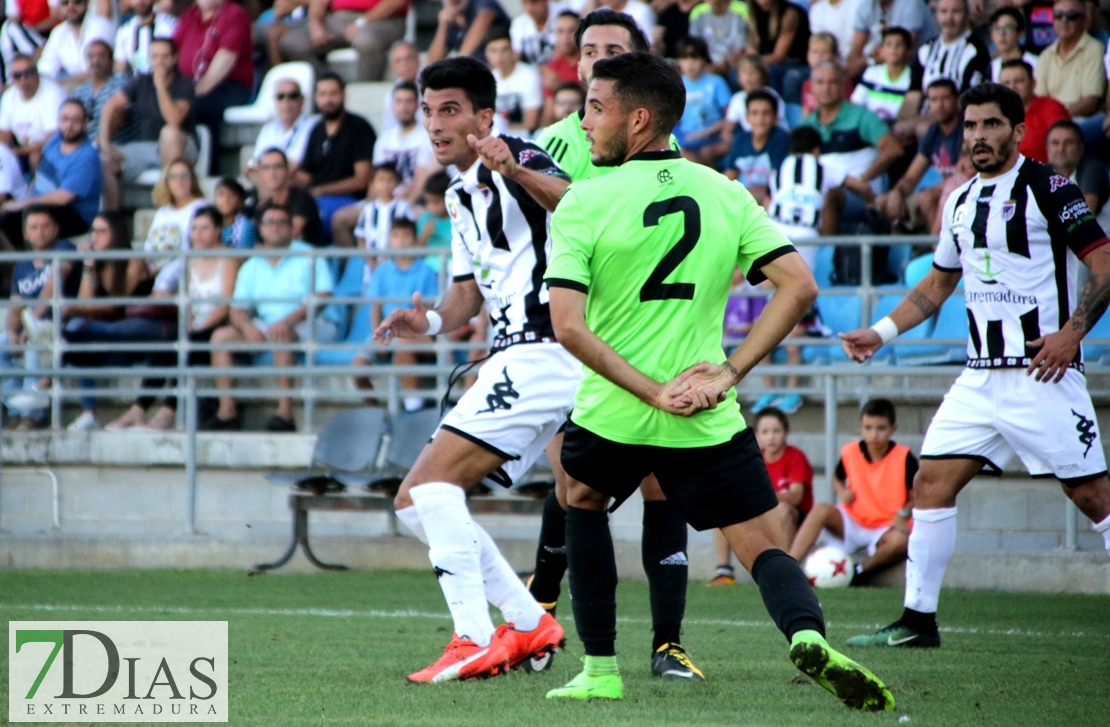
(712, 487)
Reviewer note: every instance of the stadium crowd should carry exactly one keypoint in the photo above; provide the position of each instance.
(840, 118)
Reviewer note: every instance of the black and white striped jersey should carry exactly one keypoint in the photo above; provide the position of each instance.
(1017, 239)
(967, 61)
(798, 191)
(500, 239)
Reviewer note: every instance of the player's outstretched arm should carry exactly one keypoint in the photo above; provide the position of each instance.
(920, 304)
(462, 302)
(1057, 350)
(568, 315)
(546, 189)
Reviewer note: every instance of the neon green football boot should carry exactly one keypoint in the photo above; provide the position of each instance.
(852, 684)
(599, 680)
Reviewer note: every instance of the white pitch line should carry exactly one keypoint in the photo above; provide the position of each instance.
(410, 613)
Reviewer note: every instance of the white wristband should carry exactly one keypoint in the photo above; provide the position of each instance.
(887, 329)
(435, 322)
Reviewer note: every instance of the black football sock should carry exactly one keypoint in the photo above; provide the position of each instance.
(919, 621)
(663, 549)
(787, 594)
(551, 554)
(592, 567)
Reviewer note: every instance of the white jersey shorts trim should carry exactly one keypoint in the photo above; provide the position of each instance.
(520, 401)
(993, 414)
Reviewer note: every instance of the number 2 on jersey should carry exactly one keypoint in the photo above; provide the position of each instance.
(654, 288)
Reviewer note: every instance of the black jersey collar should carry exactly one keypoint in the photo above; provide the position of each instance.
(655, 156)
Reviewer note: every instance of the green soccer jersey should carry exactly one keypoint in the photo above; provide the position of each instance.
(654, 244)
(566, 142)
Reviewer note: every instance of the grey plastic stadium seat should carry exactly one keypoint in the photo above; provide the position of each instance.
(345, 452)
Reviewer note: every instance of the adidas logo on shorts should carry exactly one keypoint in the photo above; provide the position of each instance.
(678, 558)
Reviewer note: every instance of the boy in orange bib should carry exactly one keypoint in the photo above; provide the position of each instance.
(874, 492)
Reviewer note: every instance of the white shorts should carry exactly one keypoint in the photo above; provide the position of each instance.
(993, 414)
(855, 535)
(521, 399)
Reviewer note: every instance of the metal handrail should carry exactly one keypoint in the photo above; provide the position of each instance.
(187, 389)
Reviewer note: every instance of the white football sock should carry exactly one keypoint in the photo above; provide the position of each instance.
(456, 556)
(1104, 529)
(504, 589)
(931, 544)
(410, 518)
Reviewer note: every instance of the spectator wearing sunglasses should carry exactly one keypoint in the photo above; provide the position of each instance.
(1070, 70)
(289, 131)
(28, 111)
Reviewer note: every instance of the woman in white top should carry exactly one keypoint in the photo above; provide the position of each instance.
(178, 196)
(206, 280)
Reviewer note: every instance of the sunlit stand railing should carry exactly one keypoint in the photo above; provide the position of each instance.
(826, 379)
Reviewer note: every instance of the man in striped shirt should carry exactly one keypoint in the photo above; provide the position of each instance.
(1015, 233)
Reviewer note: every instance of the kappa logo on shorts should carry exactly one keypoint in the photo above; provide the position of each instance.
(440, 572)
(502, 390)
(1086, 429)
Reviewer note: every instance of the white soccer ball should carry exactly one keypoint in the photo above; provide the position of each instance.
(829, 567)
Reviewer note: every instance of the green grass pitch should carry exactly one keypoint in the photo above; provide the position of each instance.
(334, 648)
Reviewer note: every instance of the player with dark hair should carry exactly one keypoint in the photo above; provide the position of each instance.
(499, 208)
(1016, 233)
(602, 34)
(641, 268)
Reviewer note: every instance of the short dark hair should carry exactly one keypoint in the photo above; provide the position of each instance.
(760, 95)
(232, 185)
(692, 47)
(1066, 124)
(99, 41)
(464, 72)
(499, 32)
(901, 32)
(266, 207)
(944, 83)
(403, 223)
(774, 413)
(168, 41)
(437, 183)
(608, 16)
(388, 168)
(331, 76)
(1009, 103)
(212, 214)
(1016, 63)
(804, 139)
(406, 86)
(39, 209)
(276, 150)
(1011, 12)
(569, 14)
(571, 86)
(73, 101)
(645, 80)
(879, 408)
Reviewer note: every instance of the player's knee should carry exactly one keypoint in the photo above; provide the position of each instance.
(585, 497)
(651, 489)
(1092, 497)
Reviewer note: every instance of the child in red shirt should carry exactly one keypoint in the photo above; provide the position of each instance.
(791, 475)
